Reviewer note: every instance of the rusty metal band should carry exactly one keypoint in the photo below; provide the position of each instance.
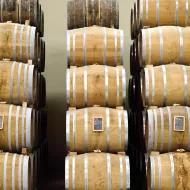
(157, 12)
(170, 129)
(162, 128)
(108, 128)
(109, 171)
(86, 129)
(155, 129)
(165, 85)
(68, 129)
(68, 86)
(186, 90)
(67, 173)
(106, 91)
(172, 171)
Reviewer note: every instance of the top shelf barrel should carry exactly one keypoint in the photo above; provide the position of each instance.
(18, 11)
(84, 13)
(152, 13)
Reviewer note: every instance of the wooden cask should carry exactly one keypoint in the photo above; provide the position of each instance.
(97, 128)
(19, 43)
(153, 13)
(18, 11)
(85, 13)
(17, 128)
(96, 85)
(167, 129)
(164, 45)
(18, 83)
(87, 46)
(166, 85)
(98, 171)
(169, 171)
(15, 171)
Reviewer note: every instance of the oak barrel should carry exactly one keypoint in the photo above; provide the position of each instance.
(165, 85)
(19, 11)
(19, 43)
(17, 128)
(85, 13)
(153, 13)
(87, 46)
(164, 45)
(18, 83)
(97, 170)
(169, 171)
(167, 129)
(97, 128)
(96, 85)
(15, 171)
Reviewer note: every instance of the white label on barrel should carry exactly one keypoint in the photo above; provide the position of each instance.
(179, 123)
(98, 124)
(1, 121)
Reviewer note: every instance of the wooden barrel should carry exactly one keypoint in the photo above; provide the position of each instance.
(152, 13)
(15, 171)
(169, 171)
(87, 46)
(17, 128)
(18, 83)
(167, 129)
(164, 45)
(132, 24)
(105, 87)
(97, 128)
(42, 23)
(92, 12)
(166, 85)
(19, 43)
(84, 171)
(41, 91)
(18, 11)
(33, 170)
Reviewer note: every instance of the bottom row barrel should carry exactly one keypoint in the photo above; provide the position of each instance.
(97, 171)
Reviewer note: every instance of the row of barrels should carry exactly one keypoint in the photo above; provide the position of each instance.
(22, 43)
(105, 87)
(21, 83)
(20, 11)
(22, 171)
(160, 46)
(21, 127)
(107, 49)
(153, 13)
(85, 13)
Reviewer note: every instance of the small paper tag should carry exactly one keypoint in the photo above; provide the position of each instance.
(1, 121)
(179, 123)
(98, 124)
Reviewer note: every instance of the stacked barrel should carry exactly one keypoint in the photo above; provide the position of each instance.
(22, 94)
(160, 89)
(96, 121)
